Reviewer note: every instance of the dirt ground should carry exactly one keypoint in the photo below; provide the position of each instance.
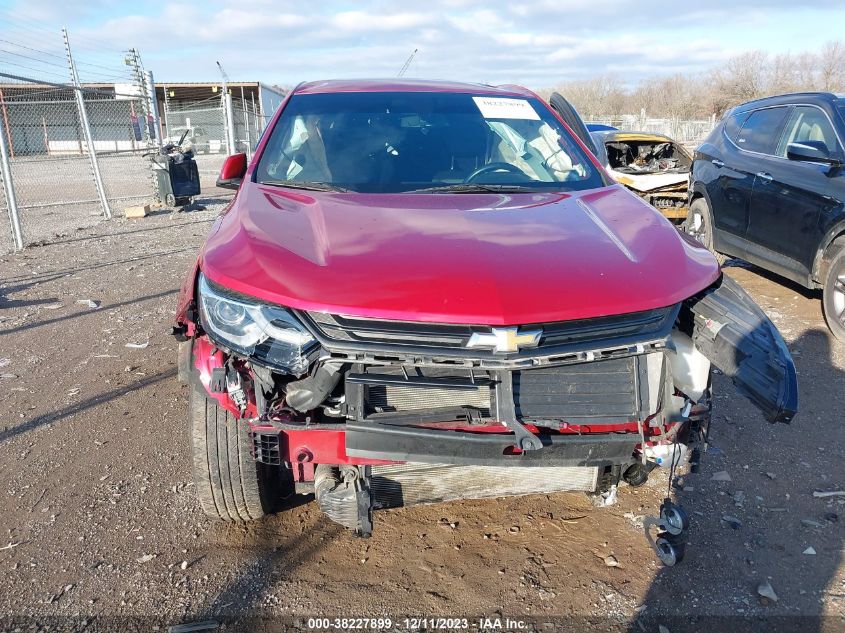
(98, 518)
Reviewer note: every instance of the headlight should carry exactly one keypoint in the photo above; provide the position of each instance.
(267, 333)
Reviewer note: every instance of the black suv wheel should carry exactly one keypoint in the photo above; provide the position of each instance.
(833, 299)
(699, 225)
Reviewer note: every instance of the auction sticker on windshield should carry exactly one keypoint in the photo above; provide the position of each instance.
(498, 108)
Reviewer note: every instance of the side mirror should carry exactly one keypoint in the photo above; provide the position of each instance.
(233, 171)
(811, 151)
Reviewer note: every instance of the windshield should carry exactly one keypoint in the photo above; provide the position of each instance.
(384, 142)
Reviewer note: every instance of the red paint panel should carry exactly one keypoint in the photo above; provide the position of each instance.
(491, 259)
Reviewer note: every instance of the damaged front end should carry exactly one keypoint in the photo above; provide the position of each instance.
(654, 167)
(372, 413)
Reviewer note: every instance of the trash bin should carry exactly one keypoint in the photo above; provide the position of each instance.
(178, 180)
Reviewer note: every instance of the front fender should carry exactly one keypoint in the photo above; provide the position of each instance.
(733, 332)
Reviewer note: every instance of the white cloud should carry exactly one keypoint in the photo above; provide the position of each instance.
(536, 42)
(368, 22)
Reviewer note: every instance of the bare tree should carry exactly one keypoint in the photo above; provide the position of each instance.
(832, 66)
(751, 75)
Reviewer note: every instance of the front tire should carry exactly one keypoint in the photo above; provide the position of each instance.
(833, 297)
(230, 484)
(699, 225)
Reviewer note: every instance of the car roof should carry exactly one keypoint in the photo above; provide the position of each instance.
(786, 99)
(601, 127)
(408, 85)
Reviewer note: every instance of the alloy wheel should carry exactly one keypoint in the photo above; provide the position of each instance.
(838, 297)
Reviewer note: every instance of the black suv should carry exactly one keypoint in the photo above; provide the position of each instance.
(768, 186)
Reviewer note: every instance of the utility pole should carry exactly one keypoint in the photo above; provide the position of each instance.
(152, 104)
(86, 128)
(227, 112)
(144, 84)
(146, 89)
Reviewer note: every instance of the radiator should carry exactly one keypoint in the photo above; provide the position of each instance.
(399, 398)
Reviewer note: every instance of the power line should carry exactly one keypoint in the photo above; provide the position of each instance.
(35, 50)
(35, 70)
(112, 69)
(103, 73)
(36, 59)
(87, 73)
(32, 26)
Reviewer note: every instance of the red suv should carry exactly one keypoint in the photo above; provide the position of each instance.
(426, 291)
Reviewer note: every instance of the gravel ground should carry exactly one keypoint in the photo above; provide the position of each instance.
(98, 518)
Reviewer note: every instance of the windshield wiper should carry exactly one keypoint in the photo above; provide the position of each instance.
(303, 184)
(471, 187)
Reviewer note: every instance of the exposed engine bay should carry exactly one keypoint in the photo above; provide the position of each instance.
(654, 167)
(368, 413)
(647, 157)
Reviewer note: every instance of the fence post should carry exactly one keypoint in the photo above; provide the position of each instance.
(230, 124)
(152, 104)
(166, 122)
(246, 124)
(86, 128)
(9, 190)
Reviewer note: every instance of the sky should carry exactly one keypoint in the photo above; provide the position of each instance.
(538, 43)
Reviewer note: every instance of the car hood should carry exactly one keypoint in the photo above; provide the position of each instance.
(487, 259)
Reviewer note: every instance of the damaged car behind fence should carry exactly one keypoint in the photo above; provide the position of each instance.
(427, 291)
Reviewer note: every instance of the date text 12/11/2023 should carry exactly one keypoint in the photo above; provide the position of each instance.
(418, 623)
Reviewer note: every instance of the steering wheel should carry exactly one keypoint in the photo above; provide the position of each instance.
(491, 167)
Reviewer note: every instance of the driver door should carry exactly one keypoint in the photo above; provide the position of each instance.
(789, 196)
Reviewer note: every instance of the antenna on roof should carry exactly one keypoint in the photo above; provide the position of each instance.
(407, 63)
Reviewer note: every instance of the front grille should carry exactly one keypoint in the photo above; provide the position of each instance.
(349, 332)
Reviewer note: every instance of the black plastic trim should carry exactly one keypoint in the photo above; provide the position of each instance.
(409, 444)
(464, 384)
(734, 333)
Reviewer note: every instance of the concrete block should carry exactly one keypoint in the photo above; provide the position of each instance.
(137, 211)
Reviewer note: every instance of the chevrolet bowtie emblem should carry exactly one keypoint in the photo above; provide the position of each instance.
(505, 339)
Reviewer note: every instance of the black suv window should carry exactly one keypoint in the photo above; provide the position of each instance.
(807, 123)
(733, 124)
(760, 130)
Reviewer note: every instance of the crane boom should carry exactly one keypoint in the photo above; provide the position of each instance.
(407, 63)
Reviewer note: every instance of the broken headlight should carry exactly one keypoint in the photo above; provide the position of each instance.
(267, 333)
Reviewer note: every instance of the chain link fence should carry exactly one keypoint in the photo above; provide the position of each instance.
(686, 131)
(55, 174)
(203, 123)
